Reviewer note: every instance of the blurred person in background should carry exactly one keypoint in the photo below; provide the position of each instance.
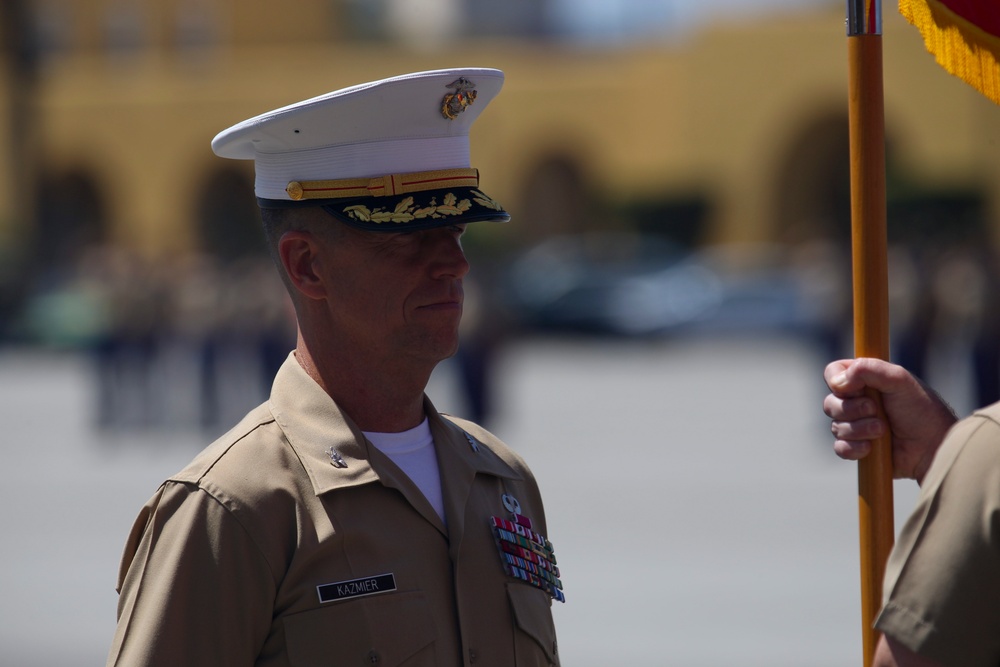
(131, 302)
(345, 520)
(941, 594)
(482, 333)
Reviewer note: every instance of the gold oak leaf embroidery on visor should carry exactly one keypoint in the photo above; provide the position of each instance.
(485, 200)
(407, 209)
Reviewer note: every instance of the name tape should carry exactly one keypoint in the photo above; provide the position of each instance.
(355, 588)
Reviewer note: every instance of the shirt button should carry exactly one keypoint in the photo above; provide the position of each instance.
(472, 656)
(374, 658)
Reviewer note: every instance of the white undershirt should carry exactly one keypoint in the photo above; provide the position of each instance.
(413, 452)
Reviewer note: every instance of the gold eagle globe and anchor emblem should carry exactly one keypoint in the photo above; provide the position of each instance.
(454, 103)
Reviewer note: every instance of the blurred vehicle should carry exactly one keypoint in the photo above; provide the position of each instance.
(763, 290)
(625, 284)
(607, 283)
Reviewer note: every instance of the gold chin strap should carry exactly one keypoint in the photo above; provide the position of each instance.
(384, 186)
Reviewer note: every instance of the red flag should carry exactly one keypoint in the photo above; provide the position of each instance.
(964, 36)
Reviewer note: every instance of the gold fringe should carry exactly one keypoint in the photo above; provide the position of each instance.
(959, 46)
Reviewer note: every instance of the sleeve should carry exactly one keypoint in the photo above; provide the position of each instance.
(194, 587)
(942, 587)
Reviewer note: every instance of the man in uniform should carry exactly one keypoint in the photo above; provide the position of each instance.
(941, 595)
(345, 521)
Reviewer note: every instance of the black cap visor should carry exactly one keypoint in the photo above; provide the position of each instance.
(401, 213)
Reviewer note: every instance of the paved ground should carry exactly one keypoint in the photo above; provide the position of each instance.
(699, 517)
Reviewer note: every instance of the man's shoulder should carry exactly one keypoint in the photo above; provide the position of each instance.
(990, 413)
(491, 441)
(245, 447)
(248, 477)
(979, 432)
(970, 454)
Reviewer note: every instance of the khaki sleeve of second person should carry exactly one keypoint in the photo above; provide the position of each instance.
(942, 585)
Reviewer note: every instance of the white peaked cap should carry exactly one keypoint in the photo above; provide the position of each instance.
(386, 155)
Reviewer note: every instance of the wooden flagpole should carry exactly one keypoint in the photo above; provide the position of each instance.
(870, 280)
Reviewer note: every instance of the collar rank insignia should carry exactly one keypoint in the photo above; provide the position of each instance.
(472, 442)
(454, 103)
(335, 458)
(525, 554)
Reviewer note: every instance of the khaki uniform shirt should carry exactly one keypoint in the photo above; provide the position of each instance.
(293, 541)
(942, 582)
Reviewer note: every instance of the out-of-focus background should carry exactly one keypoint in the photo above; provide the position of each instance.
(649, 331)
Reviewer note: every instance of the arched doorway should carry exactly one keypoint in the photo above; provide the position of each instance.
(555, 199)
(71, 216)
(813, 186)
(227, 217)
(246, 327)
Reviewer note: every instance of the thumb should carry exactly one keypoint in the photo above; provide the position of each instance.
(867, 372)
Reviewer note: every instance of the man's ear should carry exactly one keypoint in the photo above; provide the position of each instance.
(300, 253)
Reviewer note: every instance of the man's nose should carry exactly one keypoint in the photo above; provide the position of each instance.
(449, 258)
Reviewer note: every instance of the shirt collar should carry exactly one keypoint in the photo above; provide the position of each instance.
(333, 450)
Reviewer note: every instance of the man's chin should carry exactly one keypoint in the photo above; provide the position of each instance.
(439, 346)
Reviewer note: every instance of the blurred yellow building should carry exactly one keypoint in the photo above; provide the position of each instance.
(735, 134)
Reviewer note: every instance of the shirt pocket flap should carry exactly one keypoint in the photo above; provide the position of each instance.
(382, 629)
(533, 615)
